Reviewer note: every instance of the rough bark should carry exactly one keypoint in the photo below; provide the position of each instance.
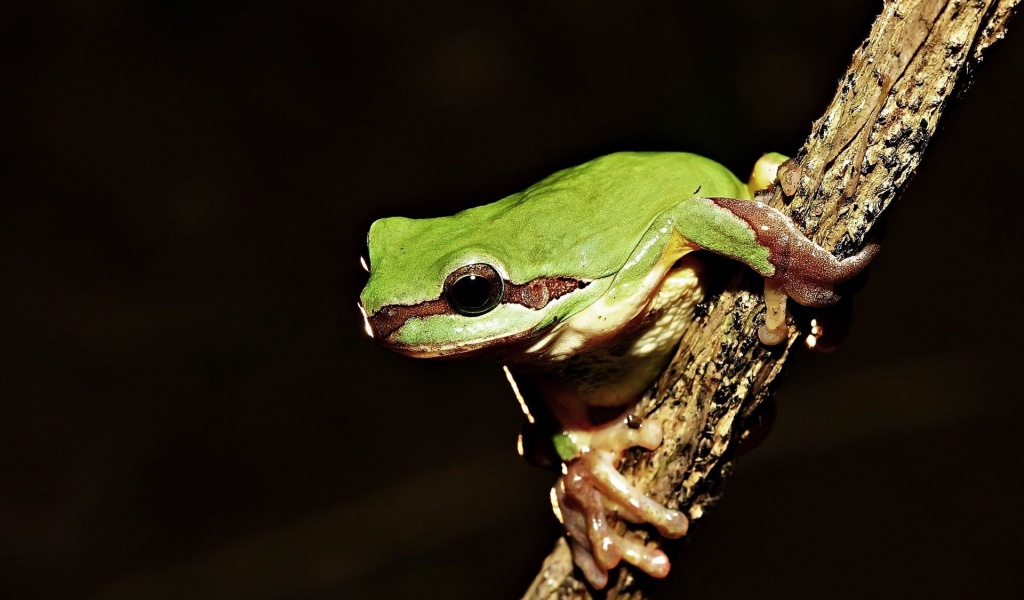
(858, 158)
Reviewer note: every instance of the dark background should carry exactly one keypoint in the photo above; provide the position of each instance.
(191, 410)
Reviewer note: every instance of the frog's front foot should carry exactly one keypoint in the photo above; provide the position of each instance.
(591, 494)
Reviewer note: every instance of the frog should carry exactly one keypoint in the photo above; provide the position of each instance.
(581, 286)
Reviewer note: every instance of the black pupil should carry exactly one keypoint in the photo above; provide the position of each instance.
(471, 292)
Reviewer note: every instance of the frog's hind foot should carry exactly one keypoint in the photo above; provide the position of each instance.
(809, 280)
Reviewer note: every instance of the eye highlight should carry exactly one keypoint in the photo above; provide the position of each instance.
(474, 289)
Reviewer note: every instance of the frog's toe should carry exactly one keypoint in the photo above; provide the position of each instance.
(629, 502)
(578, 506)
(648, 559)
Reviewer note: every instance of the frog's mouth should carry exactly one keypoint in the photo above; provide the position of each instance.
(495, 348)
(393, 326)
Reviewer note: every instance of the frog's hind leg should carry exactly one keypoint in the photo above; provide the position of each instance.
(770, 243)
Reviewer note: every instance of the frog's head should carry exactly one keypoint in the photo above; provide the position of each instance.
(457, 286)
(506, 272)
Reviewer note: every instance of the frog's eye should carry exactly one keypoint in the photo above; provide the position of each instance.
(474, 289)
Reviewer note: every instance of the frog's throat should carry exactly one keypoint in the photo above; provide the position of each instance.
(606, 360)
(535, 294)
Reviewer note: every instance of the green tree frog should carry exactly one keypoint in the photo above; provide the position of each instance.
(582, 285)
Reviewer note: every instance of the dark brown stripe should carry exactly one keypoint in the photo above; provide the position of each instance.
(389, 318)
(537, 293)
(534, 294)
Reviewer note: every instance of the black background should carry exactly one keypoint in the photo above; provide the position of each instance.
(191, 410)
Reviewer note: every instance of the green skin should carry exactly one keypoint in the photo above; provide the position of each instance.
(586, 249)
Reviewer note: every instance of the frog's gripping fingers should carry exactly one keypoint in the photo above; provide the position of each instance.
(596, 546)
(634, 504)
(603, 448)
(591, 495)
(590, 522)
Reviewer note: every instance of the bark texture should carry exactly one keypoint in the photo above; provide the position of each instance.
(858, 158)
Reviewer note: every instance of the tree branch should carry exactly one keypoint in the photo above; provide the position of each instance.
(858, 158)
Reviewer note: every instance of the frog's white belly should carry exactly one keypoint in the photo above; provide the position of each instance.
(608, 358)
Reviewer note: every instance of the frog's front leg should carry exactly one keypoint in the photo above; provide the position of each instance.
(591, 490)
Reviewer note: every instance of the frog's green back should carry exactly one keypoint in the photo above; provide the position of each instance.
(581, 222)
